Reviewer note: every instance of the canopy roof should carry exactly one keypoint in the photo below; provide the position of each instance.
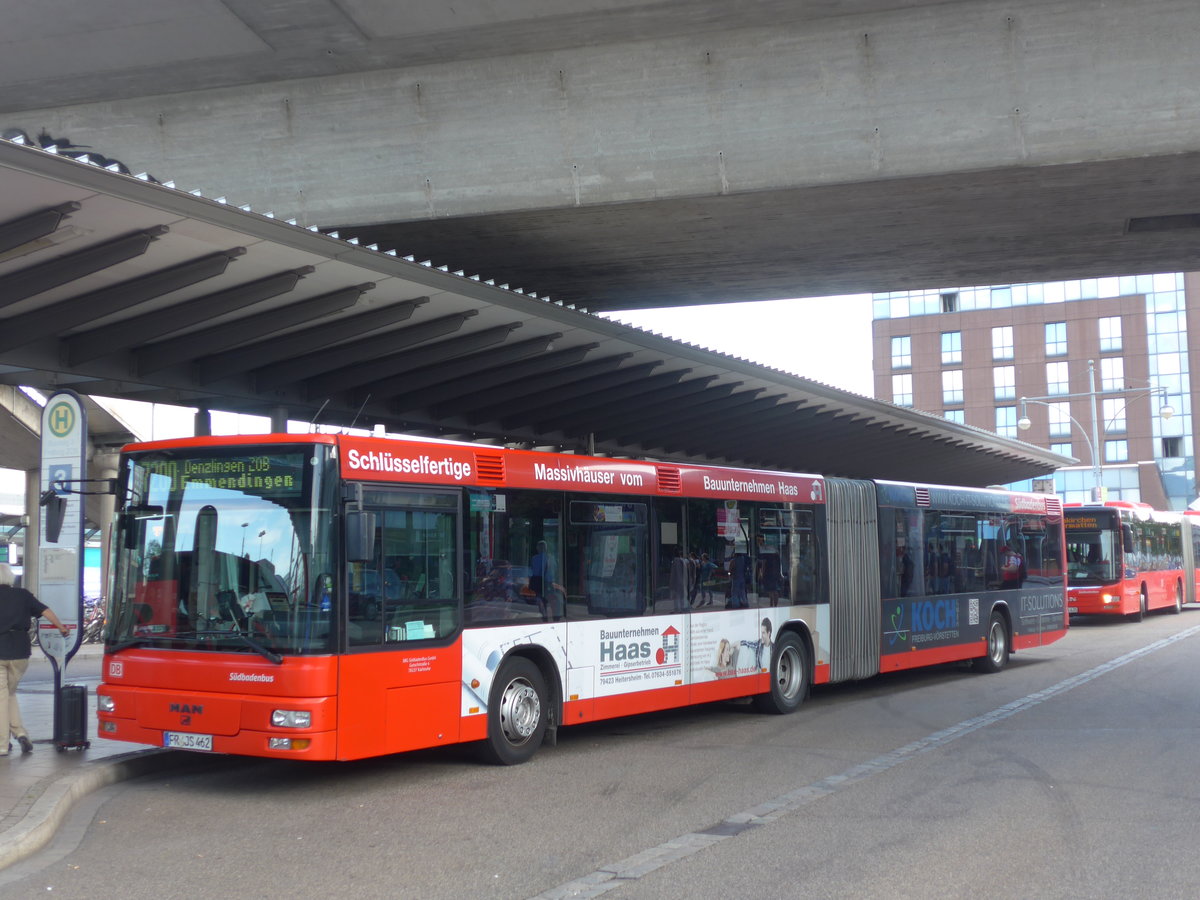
(114, 285)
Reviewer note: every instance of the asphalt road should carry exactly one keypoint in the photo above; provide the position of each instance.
(1071, 774)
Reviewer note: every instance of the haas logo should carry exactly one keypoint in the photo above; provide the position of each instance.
(818, 491)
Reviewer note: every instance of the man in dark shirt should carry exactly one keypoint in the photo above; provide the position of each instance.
(17, 608)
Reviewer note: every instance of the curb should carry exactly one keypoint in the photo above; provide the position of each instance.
(59, 795)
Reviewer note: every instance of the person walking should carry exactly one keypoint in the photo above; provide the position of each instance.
(17, 607)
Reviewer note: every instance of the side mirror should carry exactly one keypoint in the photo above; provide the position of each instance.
(129, 533)
(360, 535)
(56, 513)
(128, 519)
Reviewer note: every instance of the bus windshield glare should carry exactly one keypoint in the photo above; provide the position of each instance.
(221, 550)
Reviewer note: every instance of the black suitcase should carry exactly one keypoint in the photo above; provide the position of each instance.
(71, 729)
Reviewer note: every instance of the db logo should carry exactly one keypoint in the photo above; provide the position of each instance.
(116, 669)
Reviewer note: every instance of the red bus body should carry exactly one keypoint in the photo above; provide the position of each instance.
(406, 644)
(1127, 559)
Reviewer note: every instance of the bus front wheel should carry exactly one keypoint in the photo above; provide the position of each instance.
(996, 657)
(1143, 606)
(789, 676)
(517, 713)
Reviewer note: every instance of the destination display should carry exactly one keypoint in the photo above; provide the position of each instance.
(267, 475)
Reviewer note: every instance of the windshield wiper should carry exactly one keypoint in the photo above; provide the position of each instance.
(266, 653)
(131, 642)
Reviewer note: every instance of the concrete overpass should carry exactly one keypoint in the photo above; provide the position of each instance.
(623, 153)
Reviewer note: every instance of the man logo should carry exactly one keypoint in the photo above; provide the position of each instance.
(61, 419)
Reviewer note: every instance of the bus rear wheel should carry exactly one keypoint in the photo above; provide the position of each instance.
(1178, 607)
(996, 657)
(789, 676)
(517, 713)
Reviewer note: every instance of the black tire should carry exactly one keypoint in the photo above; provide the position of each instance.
(996, 657)
(791, 673)
(1178, 607)
(1143, 607)
(517, 713)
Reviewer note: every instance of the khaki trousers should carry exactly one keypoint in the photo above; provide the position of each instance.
(11, 673)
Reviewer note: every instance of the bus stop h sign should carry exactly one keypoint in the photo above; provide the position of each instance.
(60, 562)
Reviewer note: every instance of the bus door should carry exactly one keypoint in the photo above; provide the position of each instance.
(404, 598)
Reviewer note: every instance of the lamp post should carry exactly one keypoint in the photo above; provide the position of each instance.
(1024, 423)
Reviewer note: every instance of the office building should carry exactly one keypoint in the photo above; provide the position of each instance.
(1032, 361)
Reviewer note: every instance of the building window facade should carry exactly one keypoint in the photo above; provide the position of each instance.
(902, 352)
(1006, 421)
(902, 390)
(1002, 342)
(1059, 415)
(1112, 373)
(1114, 416)
(1142, 318)
(1004, 382)
(1116, 451)
(952, 387)
(951, 348)
(1058, 380)
(1110, 334)
(1056, 338)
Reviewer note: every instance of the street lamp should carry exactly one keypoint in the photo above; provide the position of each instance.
(1165, 411)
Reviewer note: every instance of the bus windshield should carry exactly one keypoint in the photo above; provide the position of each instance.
(1093, 547)
(229, 551)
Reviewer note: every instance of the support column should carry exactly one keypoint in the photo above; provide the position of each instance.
(279, 420)
(203, 426)
(33, 530)
(103, 507)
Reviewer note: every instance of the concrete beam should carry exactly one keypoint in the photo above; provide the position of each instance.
(895, 93)
(741, 154)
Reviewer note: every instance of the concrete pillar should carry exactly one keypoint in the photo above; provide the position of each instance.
(104, 465)
(279, 420)
(203, 426)
(33, 530)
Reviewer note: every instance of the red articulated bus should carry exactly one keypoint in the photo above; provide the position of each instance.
(1128, 559)
(334, 597)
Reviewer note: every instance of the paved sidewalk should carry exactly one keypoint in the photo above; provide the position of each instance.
(37, 790)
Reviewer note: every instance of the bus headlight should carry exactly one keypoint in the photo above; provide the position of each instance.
(291, 718)
(1108, 598)
(104, 703)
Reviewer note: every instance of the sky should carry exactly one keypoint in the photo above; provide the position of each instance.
(825, 339)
